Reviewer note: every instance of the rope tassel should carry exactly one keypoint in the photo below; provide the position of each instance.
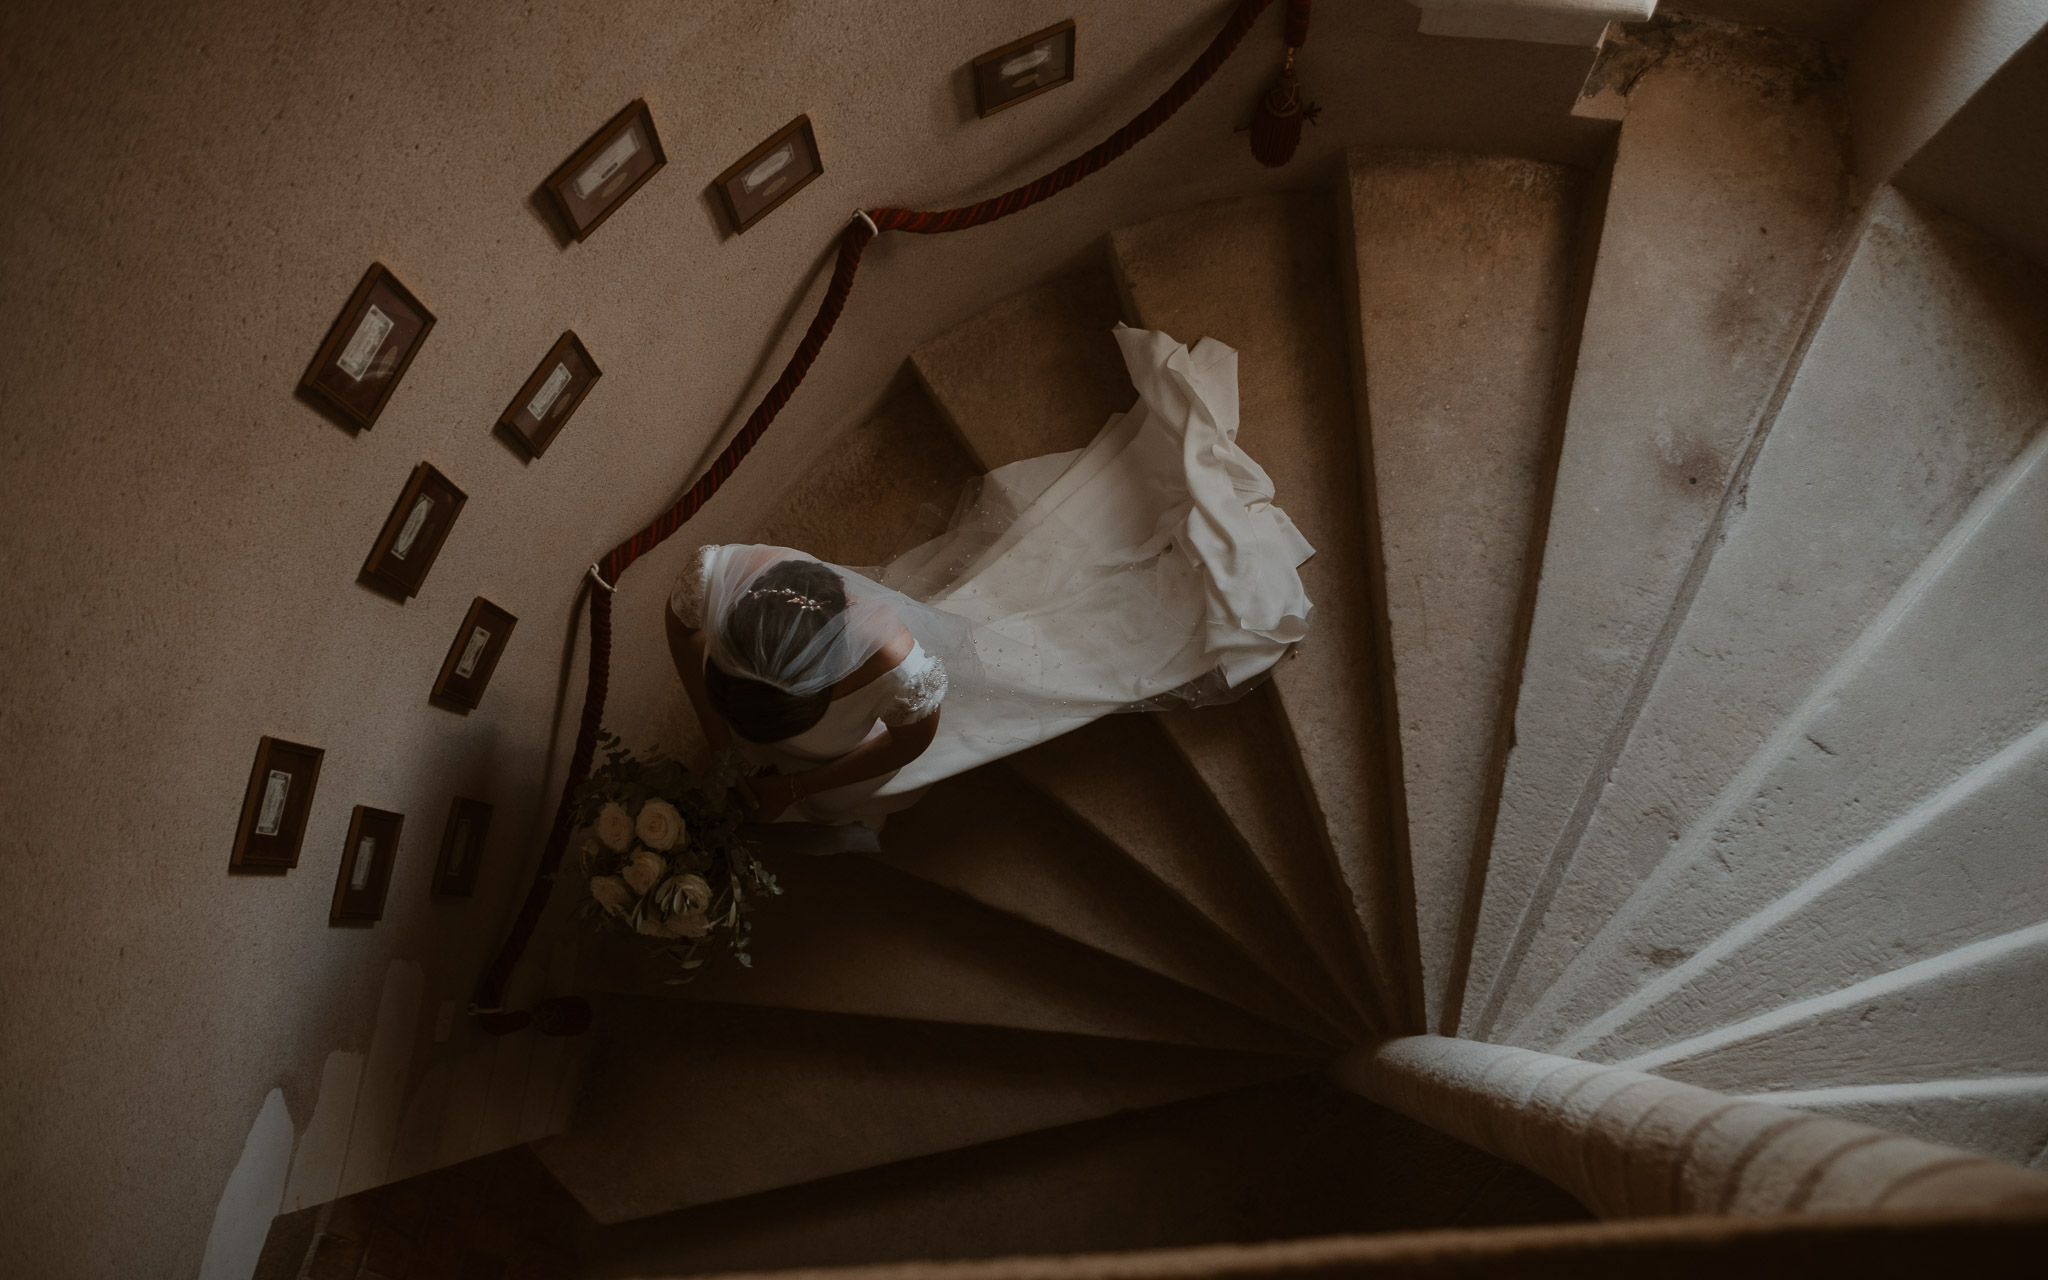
(1276, 128)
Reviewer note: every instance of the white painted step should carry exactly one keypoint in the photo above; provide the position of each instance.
(1121, 778)
(1261, 275)
(1969, 1013)
(1925, 379)
(992, 837)
(1464, 268)
(850, 935)
(1037, 373)
(1951, 673)
(1240, 752)
(731, 1101)
(2001, 1116)
(1722, 215)
(1963, 865)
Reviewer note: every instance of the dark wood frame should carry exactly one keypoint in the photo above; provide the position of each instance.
(276, 854)
(802, 124)
(345, 327)
(508, 420)
(466, 693)
(460, 882)
(981, 104)
(404, 576)
(566, 172)
(365, 906)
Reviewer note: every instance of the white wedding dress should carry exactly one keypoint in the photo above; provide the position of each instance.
(1150, 568)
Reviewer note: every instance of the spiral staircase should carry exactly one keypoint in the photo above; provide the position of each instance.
(1676, 700)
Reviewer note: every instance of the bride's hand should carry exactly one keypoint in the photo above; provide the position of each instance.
(767, 796)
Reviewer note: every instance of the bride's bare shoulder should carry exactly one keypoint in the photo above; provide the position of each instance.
(879, 663)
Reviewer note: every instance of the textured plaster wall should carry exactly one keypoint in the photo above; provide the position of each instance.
(1914, 64)
(192, 191)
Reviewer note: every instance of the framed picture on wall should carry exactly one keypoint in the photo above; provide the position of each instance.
(605, 171)
(551, 393)
(275, 807)
(479, 643)
(413, 533)
(770, 173)
(369, 349)
(1024, 68)
(462, 848)
(366, 860)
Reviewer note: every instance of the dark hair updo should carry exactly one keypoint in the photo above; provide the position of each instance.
(775, 612)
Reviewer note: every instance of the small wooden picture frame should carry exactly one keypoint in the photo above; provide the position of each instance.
(605, 171)
(1024, 68)
(557, 385)
(275, 807)
(369, 349)
(770, 174)
(413, 533)
(479, 643)
(462, 848)
(366, 861)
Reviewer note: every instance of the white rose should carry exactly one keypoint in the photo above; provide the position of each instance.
(642, 871)
(660, 826)
(614, 827)
(611, 894)
(690, 926)
(696, 892)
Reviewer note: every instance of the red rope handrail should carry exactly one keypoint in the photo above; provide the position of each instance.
(852, 243)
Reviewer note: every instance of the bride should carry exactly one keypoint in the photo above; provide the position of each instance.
(1149, 569)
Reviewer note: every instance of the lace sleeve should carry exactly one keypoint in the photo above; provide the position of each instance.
(920, 688)
(687, 600)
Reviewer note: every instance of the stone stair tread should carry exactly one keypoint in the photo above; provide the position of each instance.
(1925, 379)
(1036, 373)
(736, 1100)
(1464, 267)
(1723, 213)
(1121, 778)
(851, 935)
(1259, 273)
(1239, 751)
(990, 836)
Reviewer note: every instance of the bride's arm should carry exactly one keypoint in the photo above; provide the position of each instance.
(686, 646)
(886, 752)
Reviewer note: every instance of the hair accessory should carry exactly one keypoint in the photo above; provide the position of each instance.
(796, 598)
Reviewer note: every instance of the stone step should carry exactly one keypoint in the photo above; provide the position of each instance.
(1261, 275)
(1924, 380)
(1949, 673)
(991, 836)
(2005, 1117)
(851, 935)
(1036, 373)
(1465, 271)
(1961, 866)
(1972, 1012)
(733, 1101)
(1120, 777)
(1240, 752)
(1723, 214)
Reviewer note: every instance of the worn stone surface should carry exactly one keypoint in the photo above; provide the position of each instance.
(2001, 1116)
(1925, 379)
(1464, 273)
(1946, 677)
(990, 836)
(850, 935)
(1260, 274)
(1971, 1012)
(1120, 777)
(1724, 207)
(1240, 752)
(1036, 373)
(776, 1097)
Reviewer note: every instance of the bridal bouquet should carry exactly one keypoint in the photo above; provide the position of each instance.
(661, 848)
